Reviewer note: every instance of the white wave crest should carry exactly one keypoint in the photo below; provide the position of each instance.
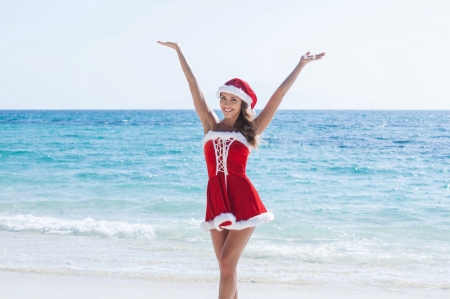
(87, 226)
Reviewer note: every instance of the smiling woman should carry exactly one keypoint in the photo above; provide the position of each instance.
(233, 206)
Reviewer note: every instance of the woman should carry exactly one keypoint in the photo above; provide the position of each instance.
(233, 205)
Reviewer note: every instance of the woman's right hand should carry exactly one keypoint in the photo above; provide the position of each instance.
(308, 58)
(174, 46)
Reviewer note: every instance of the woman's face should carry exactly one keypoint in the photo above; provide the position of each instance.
(230, 104)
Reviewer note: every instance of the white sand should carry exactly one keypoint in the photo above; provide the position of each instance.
(24, 285)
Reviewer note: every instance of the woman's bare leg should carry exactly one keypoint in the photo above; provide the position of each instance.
(228, 246)
(218, 239)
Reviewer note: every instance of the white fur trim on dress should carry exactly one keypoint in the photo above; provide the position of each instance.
(217, 221)
(235, 225)
(236, 91)
(213, 135)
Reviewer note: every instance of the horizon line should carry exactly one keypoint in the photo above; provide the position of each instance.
(168, 109)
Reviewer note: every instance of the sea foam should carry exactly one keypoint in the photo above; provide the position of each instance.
(86, 226)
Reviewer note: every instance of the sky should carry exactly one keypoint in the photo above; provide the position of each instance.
(98, 54)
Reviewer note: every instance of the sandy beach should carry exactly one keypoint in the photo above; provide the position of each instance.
(15, 284)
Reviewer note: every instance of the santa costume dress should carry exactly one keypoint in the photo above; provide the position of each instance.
(232, 201)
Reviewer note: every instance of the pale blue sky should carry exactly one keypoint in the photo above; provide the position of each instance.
(86, 54)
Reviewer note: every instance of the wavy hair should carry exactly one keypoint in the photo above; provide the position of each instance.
(246, 126)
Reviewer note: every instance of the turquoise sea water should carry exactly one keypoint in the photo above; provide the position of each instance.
(358, 196)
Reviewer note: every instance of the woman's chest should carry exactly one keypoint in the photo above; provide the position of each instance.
(222, 155)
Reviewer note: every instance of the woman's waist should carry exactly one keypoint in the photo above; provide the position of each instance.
(230, 172)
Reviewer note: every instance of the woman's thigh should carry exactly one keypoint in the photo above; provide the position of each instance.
(229, 245)
(234, 245)
(218, 240)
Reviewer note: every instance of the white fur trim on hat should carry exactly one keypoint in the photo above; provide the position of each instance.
(236, 91)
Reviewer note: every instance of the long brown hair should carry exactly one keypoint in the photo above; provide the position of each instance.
(246, 126)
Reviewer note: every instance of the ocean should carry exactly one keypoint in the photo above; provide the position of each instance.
(359, 197)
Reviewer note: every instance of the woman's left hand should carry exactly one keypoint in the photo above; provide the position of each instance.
(308, 57)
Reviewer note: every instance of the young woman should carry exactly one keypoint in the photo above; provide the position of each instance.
(233, 205)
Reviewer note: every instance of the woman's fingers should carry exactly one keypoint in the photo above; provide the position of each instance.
(316, 56)
(170, 44)
(167, 43)
(308, 57)
(309, 54)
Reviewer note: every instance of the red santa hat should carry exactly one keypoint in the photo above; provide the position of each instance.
(241, 89)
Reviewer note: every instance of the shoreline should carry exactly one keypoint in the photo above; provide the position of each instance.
(18, 284)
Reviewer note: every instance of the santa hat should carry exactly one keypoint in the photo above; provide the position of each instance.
(241, 89)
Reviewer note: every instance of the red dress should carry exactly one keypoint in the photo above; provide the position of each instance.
(232, 201)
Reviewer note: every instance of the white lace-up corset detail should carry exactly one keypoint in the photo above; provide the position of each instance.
(221, 147)
(222, 142)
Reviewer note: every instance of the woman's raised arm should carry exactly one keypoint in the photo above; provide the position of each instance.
(207, 116)
(266, 115)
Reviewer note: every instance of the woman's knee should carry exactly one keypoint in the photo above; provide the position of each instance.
(227, 266)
